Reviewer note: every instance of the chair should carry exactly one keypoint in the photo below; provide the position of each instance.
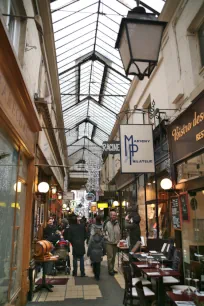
(176, 265)
(145, 295)
(130, 292)
(137, 276)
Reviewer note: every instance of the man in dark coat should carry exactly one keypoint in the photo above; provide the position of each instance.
(76, 235)
(132, 224)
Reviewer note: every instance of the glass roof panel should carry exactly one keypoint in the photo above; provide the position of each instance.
(92, 80)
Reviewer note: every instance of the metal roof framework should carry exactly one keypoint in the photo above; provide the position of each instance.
(92, 81)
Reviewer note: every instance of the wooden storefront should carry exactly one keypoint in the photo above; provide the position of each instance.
(19, 125)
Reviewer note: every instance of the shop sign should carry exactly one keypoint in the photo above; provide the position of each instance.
(102, 205)
(90, 197)
(49, 155)
(137, 152)
(10, 108)
(68, 196)
(111, 147)
(186, 133)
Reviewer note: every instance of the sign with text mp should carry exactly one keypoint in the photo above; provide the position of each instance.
(137, 152)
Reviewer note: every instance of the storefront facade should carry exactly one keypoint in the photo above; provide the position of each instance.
(186, 138)
(18, 127)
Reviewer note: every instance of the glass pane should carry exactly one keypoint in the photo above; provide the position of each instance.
(8, 174)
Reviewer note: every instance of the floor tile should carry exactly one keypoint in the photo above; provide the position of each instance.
(54, 298)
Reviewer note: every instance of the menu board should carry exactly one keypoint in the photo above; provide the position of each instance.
(184, 206)
(175, 211)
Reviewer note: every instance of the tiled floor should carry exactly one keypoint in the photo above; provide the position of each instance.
(86, 288)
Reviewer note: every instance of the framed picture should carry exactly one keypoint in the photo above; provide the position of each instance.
(41, 213)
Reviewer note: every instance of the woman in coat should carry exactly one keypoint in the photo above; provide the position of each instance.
(96, 248)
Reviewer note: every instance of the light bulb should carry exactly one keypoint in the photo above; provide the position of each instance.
(166, 184)
(43, 187)
(18, 186)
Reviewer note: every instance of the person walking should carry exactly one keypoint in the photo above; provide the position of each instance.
(76, 235)
(96, 247)
(112, 238)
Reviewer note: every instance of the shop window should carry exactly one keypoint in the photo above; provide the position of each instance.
(12, 215)
(192, 230)
(201, 42)
(160, 198)
(16, 26)
(8, 174)
(190, 169)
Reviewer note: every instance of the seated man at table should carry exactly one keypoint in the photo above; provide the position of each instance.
(132, 224)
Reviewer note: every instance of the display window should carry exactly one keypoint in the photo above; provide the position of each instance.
(158, 208)
(13, 175)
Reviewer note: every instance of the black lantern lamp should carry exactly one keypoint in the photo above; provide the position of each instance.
(139, 41)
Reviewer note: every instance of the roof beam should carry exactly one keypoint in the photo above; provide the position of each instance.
(92, 99)
(94, 57)
(98, 11)
(84, 137)
(79, 82)
(103, 83)
(89, 121)
(93, 132)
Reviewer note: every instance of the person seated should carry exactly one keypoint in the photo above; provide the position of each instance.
(49, 232)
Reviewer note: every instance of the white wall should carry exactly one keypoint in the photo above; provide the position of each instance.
(178, 77)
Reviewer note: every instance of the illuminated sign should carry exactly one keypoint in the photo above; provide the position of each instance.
(102, 205)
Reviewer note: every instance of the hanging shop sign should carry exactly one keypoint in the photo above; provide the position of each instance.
(137, 152)
(111, 147)
(186, 133)
(90, 197)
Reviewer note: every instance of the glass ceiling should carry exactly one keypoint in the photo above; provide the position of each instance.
(92, 81)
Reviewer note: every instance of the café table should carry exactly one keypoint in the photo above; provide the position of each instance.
(158, 274)
(44, 284)
(145, 265)
(184, 297)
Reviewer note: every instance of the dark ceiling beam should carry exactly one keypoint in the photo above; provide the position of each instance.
(94, 95)
(79, 82)
(103, 106)
(74, 153)
(83, 148)
(84, 137)
(98, 11)
(94, 57)
(103, 83)
(62, 6)
(92, 99)
(89, 121)
(70, 107)
(93, 132)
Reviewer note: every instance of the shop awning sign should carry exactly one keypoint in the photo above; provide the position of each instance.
(137, 151)
(111, 147)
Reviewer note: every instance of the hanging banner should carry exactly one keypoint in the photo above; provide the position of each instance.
(112, 147)
(137, 152)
